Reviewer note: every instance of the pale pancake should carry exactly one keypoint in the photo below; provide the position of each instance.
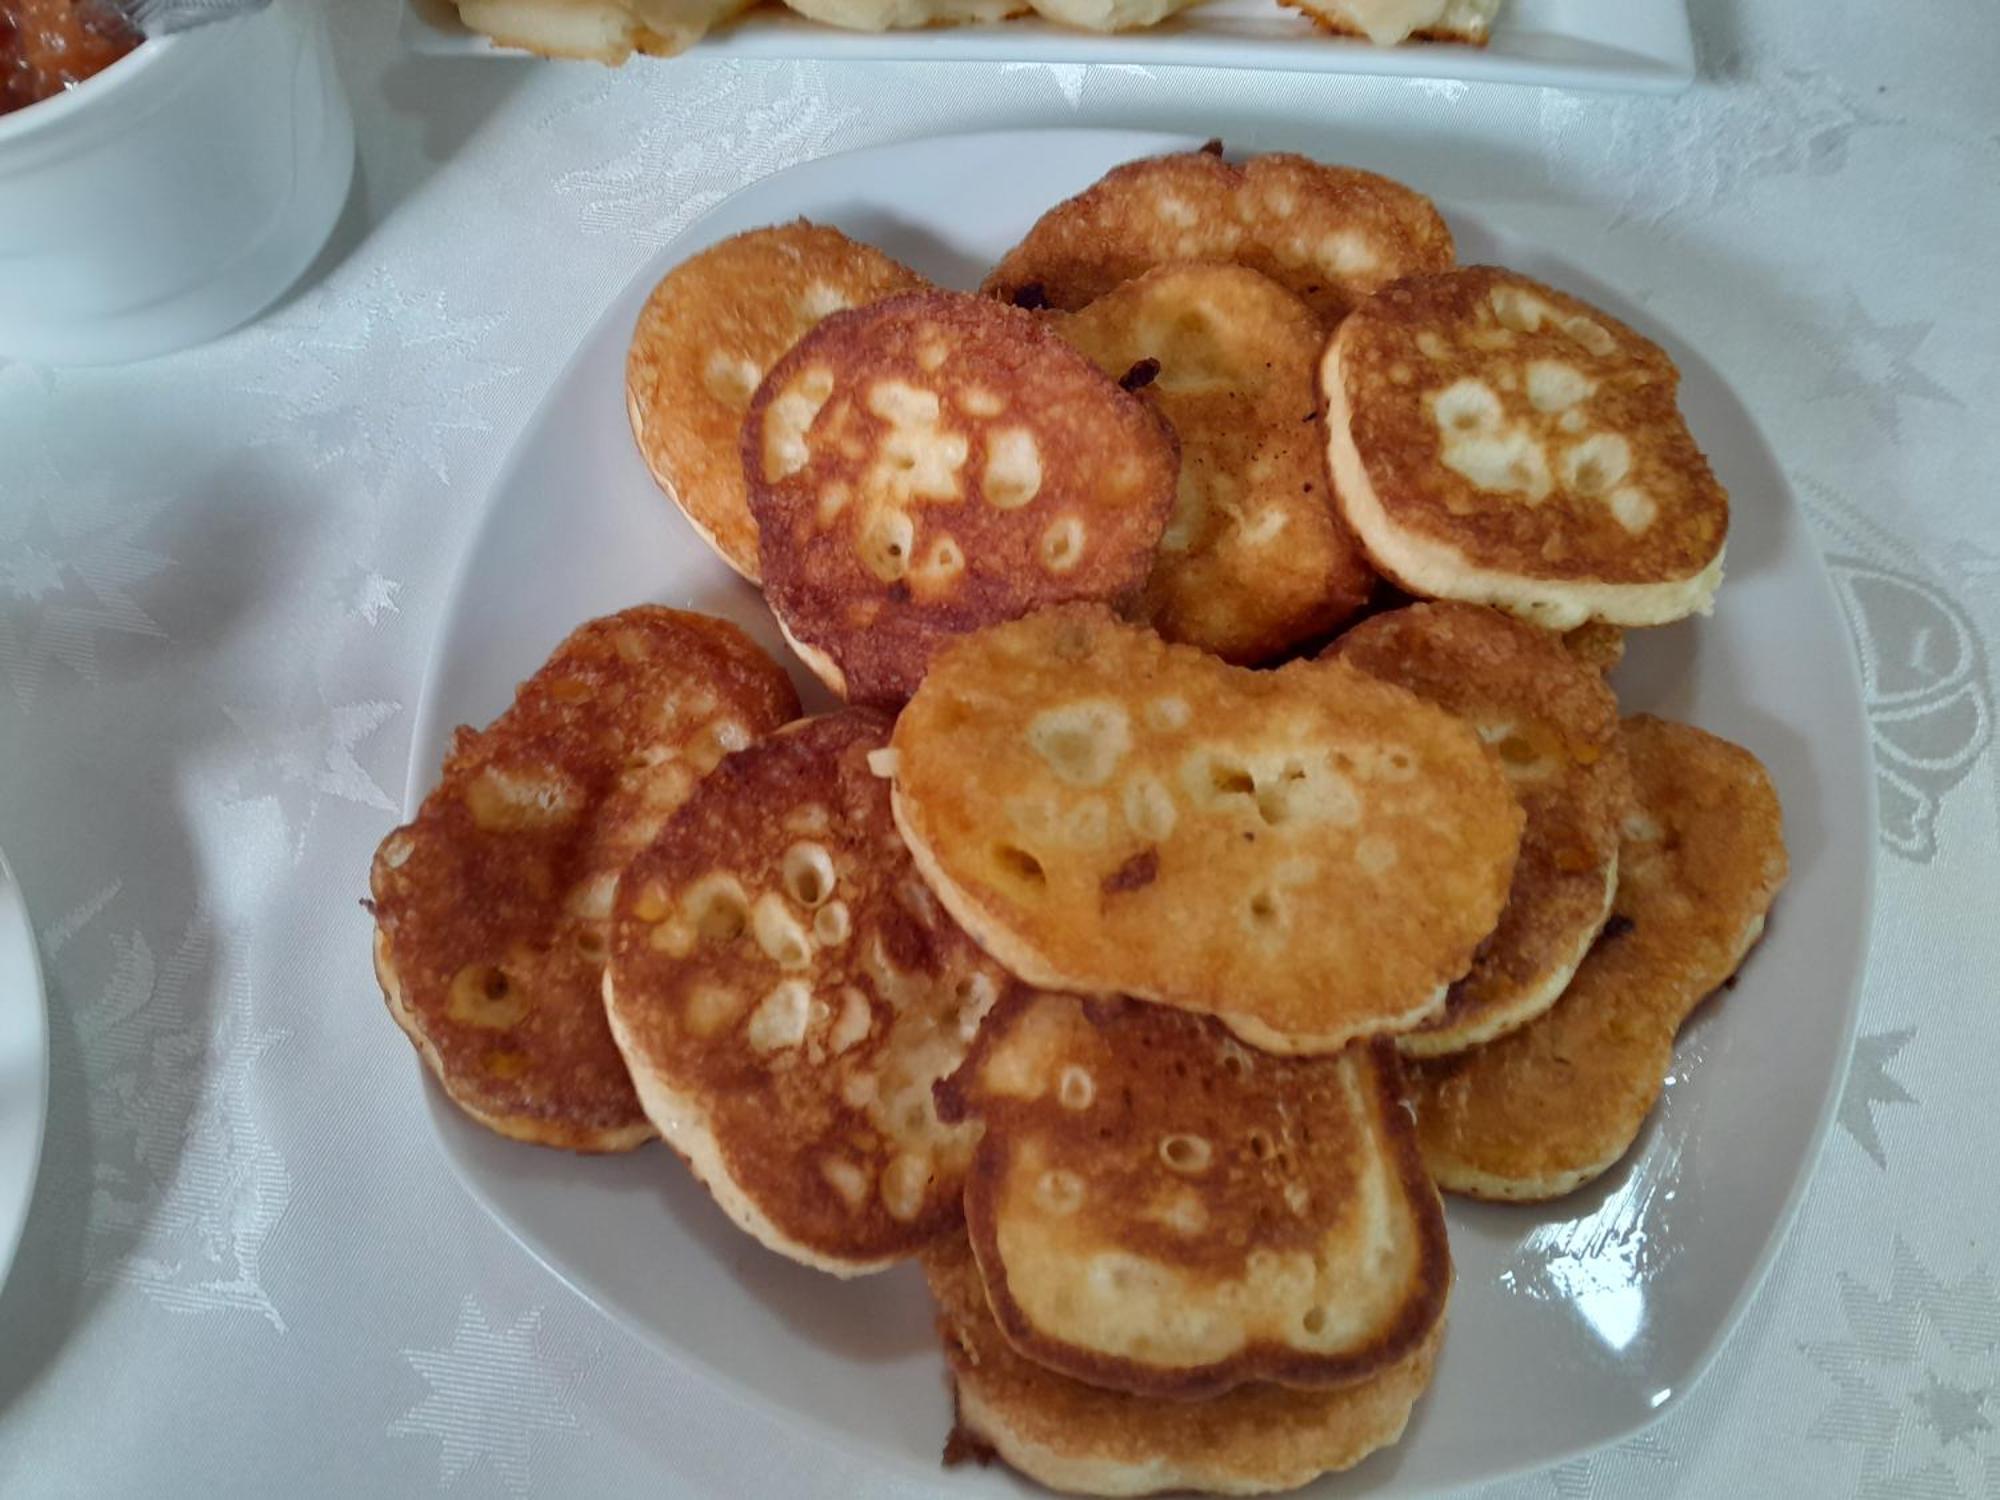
(1110, 15)
(938, 462)
(1330, 235)
(1081, 1440)
(786, 992)
(606, 31)
(1307, 853)
(1497, 441)
(707, 336)
(1559, 1102)
(901, 15)
(492, 907)
(1157, 1208)
(1554, 725)
(1254, 560)
(1388, 23)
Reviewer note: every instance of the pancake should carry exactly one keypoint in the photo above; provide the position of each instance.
(1158, 1209)
(1540, 1113)
(786, 992)
(606, 31)
(1329, 235)
(1253, 560)
(705, 339)
(1110, 15)
(1307, 853)
(1390, 22)
(1081, 1440)
(1500, 442)
(1555, 726)
(1596, 644)
(938, 462)
(901, 15)
(491, 908)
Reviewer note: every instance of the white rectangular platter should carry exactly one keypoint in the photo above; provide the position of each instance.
(1636, 45)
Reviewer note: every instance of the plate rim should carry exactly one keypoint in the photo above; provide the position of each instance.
(425, 733)
(14, 914)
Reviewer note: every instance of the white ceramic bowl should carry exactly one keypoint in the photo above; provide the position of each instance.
(174, 195)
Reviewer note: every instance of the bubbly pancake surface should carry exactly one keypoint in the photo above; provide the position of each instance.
(787, 992)
(1157, 1208)
(1330, 235)
(1546, 1109)
(1494, 440)
(1555, 726)
(1081, 1439)
(1307, 853)
(938, 462)
(492, 907)
(1254, 560)
(707, 336)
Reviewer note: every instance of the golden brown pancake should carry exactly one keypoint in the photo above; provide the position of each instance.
(1555, 726)
(705, 339)
(938, 462)
(491, 908)
(1497, 441)
(1307, 853)
(1596, 644)
(1388, 23)
(1157, 1208)
(786, 993)
(1330, 235)
(1082, 1440)
(1559, 1102)
(1253, 560)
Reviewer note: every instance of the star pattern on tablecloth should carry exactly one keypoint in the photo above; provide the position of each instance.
(1870, 1083)
(1874, 364)
(1915, 1377)
(71, 567)
(303, 754)
(491, 1391)
(366, 594)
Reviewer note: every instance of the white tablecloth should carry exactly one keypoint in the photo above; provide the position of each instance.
(248, 1269)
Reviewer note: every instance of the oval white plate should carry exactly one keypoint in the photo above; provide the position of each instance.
(1571, 1325)
(24, 1065)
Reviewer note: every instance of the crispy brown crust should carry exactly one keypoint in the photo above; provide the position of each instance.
(1390, 384)
(1077, 1437)
(462, 897)
(1276, 213)
(1157, 1073)
(706, 336)
(1255, 559)
(787, 1122)
(1555, 724)
(976, 382)
(1542, 1111)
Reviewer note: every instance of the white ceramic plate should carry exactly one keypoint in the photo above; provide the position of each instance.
(24, 1065)
(1572, 1325)
(1638, 45)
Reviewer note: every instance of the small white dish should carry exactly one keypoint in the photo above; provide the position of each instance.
(174, 195)
(1641, 46)
(24, 1064)
(1572, 1324)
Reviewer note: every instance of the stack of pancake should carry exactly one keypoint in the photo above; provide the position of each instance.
(1231, 837)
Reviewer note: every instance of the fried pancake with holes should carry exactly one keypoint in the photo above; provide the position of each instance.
(1555, 726)
(1082, 1440)
(1540, 1113)
(1253, 560)
(705, 339)
(1157, 1208)
(606, 31)
(492, 907)
(904, 15)
(1387, 23)
(1307, 853)
(1329, 235)
(1494, 440)
(1596, 644)
(786, 992)
(935, 463)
